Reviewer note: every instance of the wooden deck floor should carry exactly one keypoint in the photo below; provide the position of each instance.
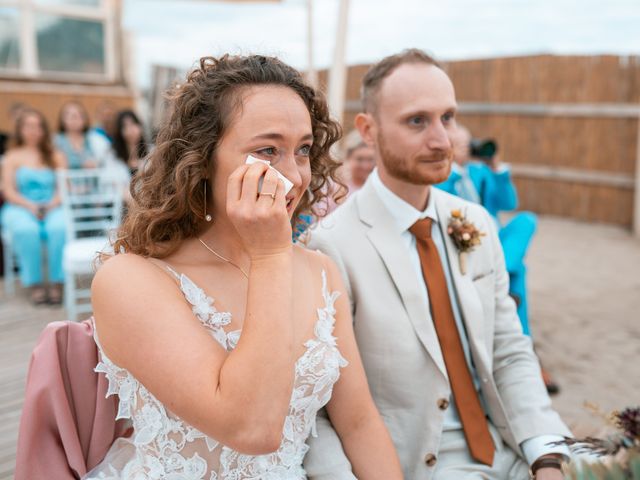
(20, 325)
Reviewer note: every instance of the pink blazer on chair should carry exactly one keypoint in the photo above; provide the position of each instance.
(67, 424)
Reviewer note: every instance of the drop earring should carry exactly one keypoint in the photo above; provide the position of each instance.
(207, 216)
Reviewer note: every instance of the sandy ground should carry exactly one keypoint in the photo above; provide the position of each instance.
(584, 287)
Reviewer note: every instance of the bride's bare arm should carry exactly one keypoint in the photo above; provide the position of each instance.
(354, 416)
(145, 326)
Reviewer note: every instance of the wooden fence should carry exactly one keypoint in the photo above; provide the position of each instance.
(569, 125)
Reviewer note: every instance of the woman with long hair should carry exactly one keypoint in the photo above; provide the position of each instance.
(32, 212)
(129, 144)
(226, 339)
(128, 152)
(82, 147)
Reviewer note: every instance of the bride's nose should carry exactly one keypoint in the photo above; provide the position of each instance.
(289, 168)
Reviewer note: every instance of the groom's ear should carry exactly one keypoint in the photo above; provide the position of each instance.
(365, 123)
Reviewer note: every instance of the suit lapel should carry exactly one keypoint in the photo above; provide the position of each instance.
(468, 298)
(389, 245)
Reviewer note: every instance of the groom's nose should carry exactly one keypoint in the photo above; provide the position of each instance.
(437, 136)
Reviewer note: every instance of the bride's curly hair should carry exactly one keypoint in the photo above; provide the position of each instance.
(168, 198)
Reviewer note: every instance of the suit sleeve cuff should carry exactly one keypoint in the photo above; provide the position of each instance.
(534, 448)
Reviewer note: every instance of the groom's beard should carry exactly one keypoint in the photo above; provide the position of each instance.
(423, 170)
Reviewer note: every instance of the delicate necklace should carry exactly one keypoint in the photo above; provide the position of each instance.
(223, 258)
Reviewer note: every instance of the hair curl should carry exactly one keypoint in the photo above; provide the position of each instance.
(168, 198)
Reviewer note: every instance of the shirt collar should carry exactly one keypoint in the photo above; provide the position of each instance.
(403, 213)
(457, 168)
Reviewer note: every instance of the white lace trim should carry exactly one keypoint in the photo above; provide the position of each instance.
(164, 447)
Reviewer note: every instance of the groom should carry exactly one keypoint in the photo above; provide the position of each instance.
(452, 374)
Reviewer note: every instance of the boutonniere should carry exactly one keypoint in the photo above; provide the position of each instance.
(465, 236)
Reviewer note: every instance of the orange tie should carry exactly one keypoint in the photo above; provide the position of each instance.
(474, 422)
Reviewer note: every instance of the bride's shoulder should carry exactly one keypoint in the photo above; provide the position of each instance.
(128, 272)
(317, 261)
(312, 257)
(122, 263)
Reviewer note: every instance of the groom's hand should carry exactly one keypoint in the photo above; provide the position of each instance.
(548, 467)
(549, 474)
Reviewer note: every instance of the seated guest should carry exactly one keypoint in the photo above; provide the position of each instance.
(129, 143)
(489, 183)
(105, 118)
(82, 147)
(32, 212)
(359, 162)
(128, 150)
(13, 113)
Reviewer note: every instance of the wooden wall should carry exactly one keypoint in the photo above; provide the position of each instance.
(596, 150)
(49, 98)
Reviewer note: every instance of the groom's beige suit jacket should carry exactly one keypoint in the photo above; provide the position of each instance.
(398, 342)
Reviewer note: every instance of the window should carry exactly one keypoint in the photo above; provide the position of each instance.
(90, 3)
(9, 38)
(60, 50)
(58, 39)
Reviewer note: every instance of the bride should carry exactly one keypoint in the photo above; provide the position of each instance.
(221, 339)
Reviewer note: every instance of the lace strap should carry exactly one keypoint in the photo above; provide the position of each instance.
(166, 268)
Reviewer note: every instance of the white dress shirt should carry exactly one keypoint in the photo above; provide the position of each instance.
(406, 215)
(464, 187)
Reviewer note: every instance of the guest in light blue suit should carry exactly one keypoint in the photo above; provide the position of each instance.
(489, 184)
(32, 212)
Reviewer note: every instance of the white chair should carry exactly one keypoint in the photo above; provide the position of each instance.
(92, 203)
(9, 264)
(8, 259)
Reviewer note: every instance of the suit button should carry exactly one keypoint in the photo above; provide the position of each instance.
(430, 459)
(443, 403)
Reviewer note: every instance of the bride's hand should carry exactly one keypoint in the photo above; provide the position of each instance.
(260, 218)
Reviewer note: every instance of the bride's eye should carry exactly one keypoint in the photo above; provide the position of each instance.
(305, 150)
(267, 152)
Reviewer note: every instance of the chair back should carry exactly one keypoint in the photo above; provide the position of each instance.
(92, 202)
(67, 424)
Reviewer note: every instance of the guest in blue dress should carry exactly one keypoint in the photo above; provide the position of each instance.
(82, 147)
(32, 213)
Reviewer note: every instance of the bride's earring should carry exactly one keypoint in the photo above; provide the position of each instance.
(207, 216)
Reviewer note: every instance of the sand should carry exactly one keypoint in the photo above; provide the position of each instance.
(584, 283)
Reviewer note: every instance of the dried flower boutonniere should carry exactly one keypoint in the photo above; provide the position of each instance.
(465, 236)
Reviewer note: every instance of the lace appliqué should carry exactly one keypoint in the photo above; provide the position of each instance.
(164, 447)
(209, 316)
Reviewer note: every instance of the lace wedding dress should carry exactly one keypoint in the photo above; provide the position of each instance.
(162, 446)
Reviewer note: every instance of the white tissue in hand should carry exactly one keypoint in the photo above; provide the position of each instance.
(288, 185)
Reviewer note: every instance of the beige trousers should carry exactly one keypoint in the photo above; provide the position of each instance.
(455, 462)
